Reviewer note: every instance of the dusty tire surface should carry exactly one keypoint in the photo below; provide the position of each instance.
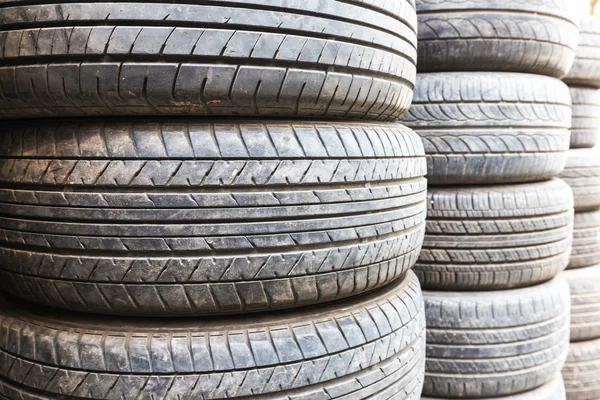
(347, 59)
(586, 240)
(585, 302)
(491, 127)
(586, 68)
(582, 173)
(495, 343)
(176, 217)
(585, 129)
(496, 237)
(581, 371)
(537, 37)
(377, 339)
(555, 390)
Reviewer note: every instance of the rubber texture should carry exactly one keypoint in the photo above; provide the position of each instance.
(585, 302)
(581, 371)
(496, 343)
(180, 217)
(586, 240)
(347, 59)
(496, 237)
(371, 346)
(586, 68)
(491, 127)
(537, 37)
(585, 129)
(555, 390)
(582, 173)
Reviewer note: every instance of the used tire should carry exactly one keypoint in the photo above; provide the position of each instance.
(496, 343)
(371, 345)
(586, 69)
(582, 173)
(586, 240)
(496, 237)
(585, 129)
(555, 390)
(349, 59)
(538, 36)
(585, 302)
(486, 127)
(581, 371)
(166, 217)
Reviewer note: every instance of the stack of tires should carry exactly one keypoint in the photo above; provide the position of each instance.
(583, 174)
(286, 244)
(494, 118)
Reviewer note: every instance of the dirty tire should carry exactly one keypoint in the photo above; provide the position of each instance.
(166, 217)
(585, 302)
(581, 371)
(376, 339)
(347, 59)
(585, 129)
(537, 37)
(496, 343)
(496, 237)
(554, 390)
(486, 127)
(586, 240)
(586, 68)
(582, 173)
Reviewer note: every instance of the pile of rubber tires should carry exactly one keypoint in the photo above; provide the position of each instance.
(583, 174)
(494, 117)
(142, 181)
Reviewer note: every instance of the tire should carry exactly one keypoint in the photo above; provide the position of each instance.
(339, 59)
(486, 127)
(586, 240)
(586, 68)
(496, 237)
(585, 130)
(555, 390)
(582, 173)
(537, 37)
(180, 217)
(585, 302)
(377, 339)
(581, 371)
(496, 343)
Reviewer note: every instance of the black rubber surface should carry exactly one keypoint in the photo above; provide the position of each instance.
(347, 59)
(581, 371)
(491, 127)
(538, 36)
(582, 173)
(496, 237)
(176, 217)
(585, 129)
(585, 302)
(586, 69)
(496, 343)
(369, 347)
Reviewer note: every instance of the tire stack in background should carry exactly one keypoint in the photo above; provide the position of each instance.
(286, 243)
(583, 174)
(494, 118)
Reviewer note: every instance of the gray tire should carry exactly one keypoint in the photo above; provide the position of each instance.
(346, 59)
(496, 343)
(582, 173)
(368, 347)
(496, 237)
(554, 390)
(491, 127)
(179, 217)
(585, 129)
(586, 240)
(581, 371)
(586, 68)
(585, 302)
(537, 36)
